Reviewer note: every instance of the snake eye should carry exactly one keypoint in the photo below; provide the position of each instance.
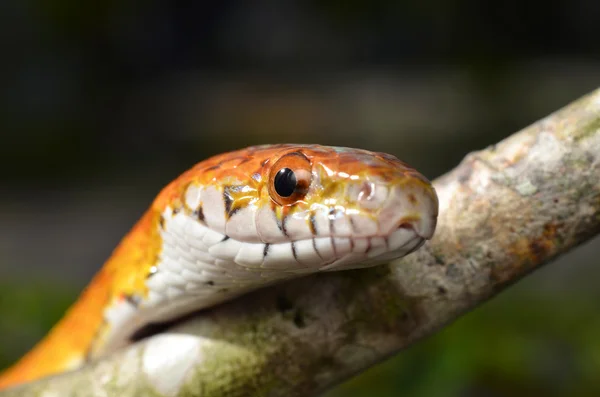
(285, 182)
(290, 178)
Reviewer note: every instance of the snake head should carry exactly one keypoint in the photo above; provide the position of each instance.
(348, 207)
(245, 219)
(304, 208)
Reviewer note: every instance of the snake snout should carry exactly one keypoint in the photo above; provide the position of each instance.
(413, 207)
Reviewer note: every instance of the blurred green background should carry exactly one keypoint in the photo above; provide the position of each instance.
(103, 102)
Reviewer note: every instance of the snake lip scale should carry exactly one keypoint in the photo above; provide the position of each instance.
(234, 223)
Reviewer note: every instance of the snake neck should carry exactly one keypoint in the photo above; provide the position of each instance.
(81, 333)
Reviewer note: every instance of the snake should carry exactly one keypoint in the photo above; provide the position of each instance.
(234, 223)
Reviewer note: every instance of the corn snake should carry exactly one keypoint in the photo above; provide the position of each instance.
(234, 223)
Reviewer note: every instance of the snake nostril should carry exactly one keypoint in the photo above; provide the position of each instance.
(366, 191)
(371, 196)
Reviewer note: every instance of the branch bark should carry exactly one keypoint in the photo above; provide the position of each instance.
(504, 212)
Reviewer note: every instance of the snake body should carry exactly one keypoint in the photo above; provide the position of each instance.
(234, 223)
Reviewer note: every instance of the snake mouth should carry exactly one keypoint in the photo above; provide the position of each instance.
(370, 251)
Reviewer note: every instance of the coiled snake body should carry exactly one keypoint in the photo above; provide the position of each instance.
(234, 223)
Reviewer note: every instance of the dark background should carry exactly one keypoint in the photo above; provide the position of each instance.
(103, 102)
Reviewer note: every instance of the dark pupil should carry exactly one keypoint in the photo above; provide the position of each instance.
(285, 182)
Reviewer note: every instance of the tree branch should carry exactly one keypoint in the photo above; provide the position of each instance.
(504, 212)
